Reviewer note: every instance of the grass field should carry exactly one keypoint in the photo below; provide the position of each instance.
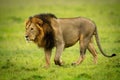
(20, 60)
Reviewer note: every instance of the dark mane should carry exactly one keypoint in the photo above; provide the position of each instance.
(45, 17)
(49, 32)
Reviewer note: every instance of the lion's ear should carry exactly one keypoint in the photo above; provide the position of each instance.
(37, 21)
(26, 22)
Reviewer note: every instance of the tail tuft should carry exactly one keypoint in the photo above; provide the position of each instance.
(113, 54)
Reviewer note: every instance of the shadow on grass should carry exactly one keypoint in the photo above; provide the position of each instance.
(29, 69)
(35, 77)
(83, 76)
(7, 65)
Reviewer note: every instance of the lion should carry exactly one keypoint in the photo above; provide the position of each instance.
(48, 31)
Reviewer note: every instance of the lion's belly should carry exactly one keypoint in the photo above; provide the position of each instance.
(70, 37)
(70, 42)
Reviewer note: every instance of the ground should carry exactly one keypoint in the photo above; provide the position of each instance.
(20, 60)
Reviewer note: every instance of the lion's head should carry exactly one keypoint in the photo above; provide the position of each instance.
(40, 31)
(34, 29)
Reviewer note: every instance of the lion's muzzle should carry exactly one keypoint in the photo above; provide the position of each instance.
(27, 38)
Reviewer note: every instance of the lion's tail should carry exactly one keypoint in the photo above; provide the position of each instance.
(99, 46)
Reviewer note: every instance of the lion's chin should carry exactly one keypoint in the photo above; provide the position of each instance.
(29, 40)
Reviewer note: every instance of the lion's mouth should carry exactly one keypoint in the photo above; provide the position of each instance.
(28, 39)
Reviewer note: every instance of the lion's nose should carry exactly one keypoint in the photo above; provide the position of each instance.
(26, 36)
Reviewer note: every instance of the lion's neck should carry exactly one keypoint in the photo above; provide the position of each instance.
(39, 42)
(47, 41)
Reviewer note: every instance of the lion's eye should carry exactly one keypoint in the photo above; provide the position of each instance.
(31, 28)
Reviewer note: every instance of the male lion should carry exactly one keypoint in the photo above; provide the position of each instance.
(48, 31)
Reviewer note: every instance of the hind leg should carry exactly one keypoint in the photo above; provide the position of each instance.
(92, 51)
(83, 46)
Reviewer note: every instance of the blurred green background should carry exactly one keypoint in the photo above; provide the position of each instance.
(20, 60)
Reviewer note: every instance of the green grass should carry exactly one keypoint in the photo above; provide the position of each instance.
(20, 60)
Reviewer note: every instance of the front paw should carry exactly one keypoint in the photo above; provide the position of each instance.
(58, 62)
(46, 66)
